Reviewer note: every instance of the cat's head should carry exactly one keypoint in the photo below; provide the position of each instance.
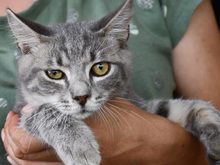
(75, 67)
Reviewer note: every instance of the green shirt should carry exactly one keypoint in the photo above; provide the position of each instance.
(156, 27)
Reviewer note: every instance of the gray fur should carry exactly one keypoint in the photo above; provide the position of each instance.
(74, 49)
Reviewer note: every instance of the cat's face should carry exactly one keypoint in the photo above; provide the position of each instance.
(75, 67)
(77, 73)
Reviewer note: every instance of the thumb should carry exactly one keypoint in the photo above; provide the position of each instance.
(28, 109)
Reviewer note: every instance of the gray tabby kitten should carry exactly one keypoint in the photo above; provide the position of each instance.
(69, 71)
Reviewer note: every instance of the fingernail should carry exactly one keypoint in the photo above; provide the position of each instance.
(3, 135)
(28, 109)
(10, 160)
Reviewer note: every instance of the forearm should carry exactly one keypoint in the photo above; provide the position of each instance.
(160, 148)
(156, 140)
(126, 135)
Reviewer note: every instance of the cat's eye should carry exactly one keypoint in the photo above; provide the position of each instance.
(100, 69)
(55, 74)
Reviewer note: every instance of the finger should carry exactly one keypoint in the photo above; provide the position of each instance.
(48, 155)
(24, 162)
(8, 118)
(15, 161)
(7, 137)
(27, 147)
(10, 152)
(8, 143)
(28, 109)
(28, 143)
(20, 147)
(10, 146)
(10, 160)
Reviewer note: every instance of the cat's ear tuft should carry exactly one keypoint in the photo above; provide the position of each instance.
(116, 23)
(28, 34)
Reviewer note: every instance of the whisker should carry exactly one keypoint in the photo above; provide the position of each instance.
(137, 116)
(101, 117)
(20, 126)
(129, 126)
(29, 118)
(132, 100)
(113, 116)
(107, 122)
(36, 127)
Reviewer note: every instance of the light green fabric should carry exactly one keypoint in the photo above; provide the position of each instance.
(178, 16)
(155, 31)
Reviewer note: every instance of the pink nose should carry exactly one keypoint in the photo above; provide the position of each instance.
(81, 99)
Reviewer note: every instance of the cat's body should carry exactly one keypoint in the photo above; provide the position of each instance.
(70, 71)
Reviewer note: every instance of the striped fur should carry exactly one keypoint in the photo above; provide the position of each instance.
(74, 49)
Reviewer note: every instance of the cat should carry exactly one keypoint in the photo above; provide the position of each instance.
(69, 71)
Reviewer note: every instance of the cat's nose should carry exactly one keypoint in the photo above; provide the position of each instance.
(81, 99)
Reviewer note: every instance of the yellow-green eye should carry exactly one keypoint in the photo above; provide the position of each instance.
(55, 74)
(100, 69)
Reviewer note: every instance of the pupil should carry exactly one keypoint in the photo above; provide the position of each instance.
(100, 66)
(54, 72)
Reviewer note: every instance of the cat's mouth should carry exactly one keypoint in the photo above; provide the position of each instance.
(83, 114)
(79, 111)
(86, 111)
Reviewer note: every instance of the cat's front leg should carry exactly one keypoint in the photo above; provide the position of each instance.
(197, 117)
(202, 120)
(72, 139)
(75, 144)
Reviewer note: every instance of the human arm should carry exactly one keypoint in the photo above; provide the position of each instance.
(24, 148)
(196, 58)
(192, 141)
(16, 6)
(138, 137)
(144, 138)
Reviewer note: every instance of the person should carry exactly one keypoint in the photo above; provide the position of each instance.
(179, 44)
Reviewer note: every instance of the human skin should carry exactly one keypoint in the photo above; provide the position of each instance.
(196, 58)
(17, 6)
(196, 71)
(128, 136)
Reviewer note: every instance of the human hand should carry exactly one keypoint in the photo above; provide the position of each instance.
(24, 149)
(126, 135)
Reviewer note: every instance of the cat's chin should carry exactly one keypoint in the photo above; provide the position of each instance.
(80, 112)
(83, 114)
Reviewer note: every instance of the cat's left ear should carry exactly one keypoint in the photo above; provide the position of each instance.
(116, 23)
(28, 34)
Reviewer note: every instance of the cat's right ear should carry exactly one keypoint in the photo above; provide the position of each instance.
(116, 23)
(28, 34)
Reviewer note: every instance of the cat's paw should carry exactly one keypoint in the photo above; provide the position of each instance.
(88, 154)
(80, 148)
(210, 136)
(208, 122)
(204, 121)
(213, 161)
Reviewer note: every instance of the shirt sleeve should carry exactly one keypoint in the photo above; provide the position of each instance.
(177, 15)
